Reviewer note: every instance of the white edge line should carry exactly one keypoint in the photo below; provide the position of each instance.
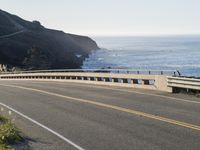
(44, 127)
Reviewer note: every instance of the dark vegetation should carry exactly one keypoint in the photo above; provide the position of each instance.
(187, 91)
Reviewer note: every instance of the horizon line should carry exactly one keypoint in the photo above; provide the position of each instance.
(132, 35)
(137, 34)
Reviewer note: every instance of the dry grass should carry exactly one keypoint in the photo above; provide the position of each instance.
(9, 134)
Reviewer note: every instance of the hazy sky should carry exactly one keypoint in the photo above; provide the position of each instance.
(111, 17)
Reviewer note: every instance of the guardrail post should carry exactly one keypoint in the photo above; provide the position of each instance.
(106, 79)
(115, 80)
(79, 78)
(134, 81)
(99, 78)
(145, 82)
(92, 79)
(124, 81)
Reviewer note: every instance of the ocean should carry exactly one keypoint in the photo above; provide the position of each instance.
(147, 53)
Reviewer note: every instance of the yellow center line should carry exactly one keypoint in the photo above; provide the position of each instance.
(139, 113)
(122, 90)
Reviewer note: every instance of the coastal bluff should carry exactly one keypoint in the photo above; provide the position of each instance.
(29, 45)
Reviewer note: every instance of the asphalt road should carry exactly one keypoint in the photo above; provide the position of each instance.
(74, 116)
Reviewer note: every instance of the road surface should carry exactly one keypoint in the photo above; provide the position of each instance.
(59, 115)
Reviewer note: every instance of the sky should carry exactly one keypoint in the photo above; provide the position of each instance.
(111, 17)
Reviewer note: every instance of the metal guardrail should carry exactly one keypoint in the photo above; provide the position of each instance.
(188, 83)
(123, 71)
(154, 79)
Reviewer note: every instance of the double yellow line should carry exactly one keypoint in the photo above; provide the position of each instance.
(130, 111)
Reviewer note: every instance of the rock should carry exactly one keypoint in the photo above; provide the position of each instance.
(29, 45)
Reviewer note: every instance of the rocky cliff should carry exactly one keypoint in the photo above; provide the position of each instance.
(29, 45)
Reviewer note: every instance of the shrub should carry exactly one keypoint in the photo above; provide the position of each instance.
(9, 134)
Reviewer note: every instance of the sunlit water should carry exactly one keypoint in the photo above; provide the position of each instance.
(148, 53)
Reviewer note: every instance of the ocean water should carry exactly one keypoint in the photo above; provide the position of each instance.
(147, 53)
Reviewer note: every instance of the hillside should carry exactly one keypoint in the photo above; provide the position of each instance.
(29, 45)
